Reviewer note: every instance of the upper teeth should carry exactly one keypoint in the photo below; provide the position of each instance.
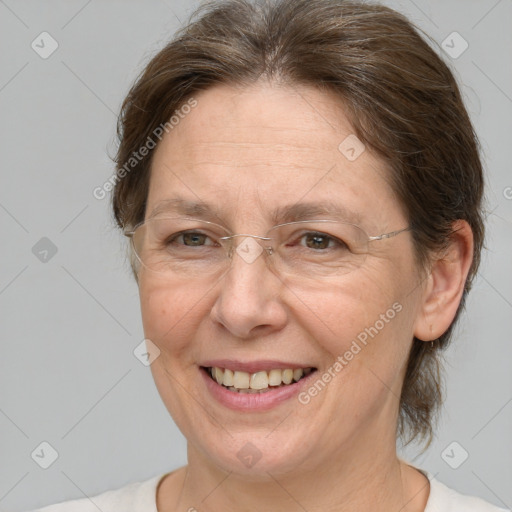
(259, 380)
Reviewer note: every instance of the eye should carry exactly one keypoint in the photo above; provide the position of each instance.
(322, 241)
(190, 239)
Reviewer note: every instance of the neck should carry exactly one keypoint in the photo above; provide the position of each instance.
(354, 480)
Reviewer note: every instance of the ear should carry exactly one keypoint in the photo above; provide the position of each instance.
(445, 284)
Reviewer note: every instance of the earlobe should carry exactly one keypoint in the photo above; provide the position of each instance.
(445, 284)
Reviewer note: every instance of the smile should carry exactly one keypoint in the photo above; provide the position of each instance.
(257, 382)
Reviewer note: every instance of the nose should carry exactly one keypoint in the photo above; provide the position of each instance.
(249, 301)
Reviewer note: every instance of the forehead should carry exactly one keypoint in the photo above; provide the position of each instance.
(306, 210)
(259, 150)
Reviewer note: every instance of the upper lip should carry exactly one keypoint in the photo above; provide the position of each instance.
(253, 366)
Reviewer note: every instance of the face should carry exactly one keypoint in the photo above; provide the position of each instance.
(247, 152)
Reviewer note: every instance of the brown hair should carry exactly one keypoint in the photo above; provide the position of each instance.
(402, 99)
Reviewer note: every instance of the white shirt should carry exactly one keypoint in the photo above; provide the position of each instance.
(141, 497)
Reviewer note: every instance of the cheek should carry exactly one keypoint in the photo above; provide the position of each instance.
(355, 304)
(366, 321)
(385, 315)
(169, 312)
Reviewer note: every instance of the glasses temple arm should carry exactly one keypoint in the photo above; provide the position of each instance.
(389, 235)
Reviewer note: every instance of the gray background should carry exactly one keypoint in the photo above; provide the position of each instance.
(70, 324)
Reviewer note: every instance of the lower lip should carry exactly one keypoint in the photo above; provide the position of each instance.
(253, 401)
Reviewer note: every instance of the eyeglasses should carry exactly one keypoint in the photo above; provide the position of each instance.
(188, 247)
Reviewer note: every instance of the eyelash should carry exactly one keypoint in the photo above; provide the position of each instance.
(330, 238)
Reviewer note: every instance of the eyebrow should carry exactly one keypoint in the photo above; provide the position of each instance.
(183, 207)
(282, 214)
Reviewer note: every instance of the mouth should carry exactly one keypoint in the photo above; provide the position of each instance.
(259, 382)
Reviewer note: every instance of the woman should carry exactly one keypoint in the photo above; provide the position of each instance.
(302, 188)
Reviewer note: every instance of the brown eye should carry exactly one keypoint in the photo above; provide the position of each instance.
(322, 241)
(317, 241)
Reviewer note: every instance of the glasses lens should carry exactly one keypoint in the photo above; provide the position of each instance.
(319, 248)
(194, 248)
(180, 245)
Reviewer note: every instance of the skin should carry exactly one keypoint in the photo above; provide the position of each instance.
(248, 150)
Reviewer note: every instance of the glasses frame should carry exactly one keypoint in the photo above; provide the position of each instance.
(130, 233)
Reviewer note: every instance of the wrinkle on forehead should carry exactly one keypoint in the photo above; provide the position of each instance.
(256, 150)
